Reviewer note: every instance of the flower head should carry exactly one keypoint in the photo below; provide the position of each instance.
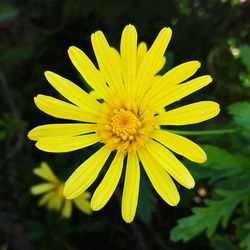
(125, 114)
(52, 191)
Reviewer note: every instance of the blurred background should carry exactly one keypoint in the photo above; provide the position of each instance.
(35, 36)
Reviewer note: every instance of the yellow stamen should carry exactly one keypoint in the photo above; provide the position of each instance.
(124, 121)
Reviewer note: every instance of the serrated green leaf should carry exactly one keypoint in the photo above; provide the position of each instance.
(208, 218)
(220, 164)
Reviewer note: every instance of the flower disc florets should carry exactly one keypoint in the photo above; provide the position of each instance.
(125, 125)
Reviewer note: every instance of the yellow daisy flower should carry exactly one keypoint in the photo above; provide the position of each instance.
(52, 191)
(125, 113)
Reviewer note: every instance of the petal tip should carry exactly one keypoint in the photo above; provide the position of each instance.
(127, 219)
(190, 183)
(94, 206)
(30, 135)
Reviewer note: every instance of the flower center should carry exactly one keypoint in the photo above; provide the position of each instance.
(125, 126)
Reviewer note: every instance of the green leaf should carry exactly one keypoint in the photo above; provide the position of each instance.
(216, 168)
(222, 243)
(245, 243)
(245, 55)
(146, 202)
(208, 218)
(240, 112)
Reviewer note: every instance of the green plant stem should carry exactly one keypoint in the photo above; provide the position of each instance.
(205, 132)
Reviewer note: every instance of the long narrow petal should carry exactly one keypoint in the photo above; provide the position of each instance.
(159, 178)
(131, 188)
(60, 130)
(72, 92)
(106, 61)
(141, 52)
(151, 61)
(45, 198)
(180, 145)
(173, 77)
(117, 58)
(88, 71)
(189, 114)
(176, 93)
(67, 209)
(56, 201)
(82, 204)
(108, 185)
(66, 144)
(86, 174)
(169, 162)
(45, 172)
(41, 188)
(63, 110)
(128, 56)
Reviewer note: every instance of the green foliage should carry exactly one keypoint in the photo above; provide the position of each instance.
(221, 243)
(229, 175)
(208, 218)
(220, 164)
(245, 242)
(240, 112)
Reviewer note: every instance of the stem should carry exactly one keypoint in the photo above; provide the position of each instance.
(205, 132)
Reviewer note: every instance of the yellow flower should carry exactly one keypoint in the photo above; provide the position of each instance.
(125, 113)
(52, 191)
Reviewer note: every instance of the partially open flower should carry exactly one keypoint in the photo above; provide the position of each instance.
(52, 193)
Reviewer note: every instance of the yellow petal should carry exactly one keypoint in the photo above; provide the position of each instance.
(88, 71)
(82, 204)
(141, 52)
(108, 185)
(86, 174)
(45, 172)
(180, 145)
(106, 61)
(117, 58)
(41, 188)
(67, 209)
(169, 162)
(60, 130)
(56, 201)
(66, 144)
(128, 57)
(176, 93)
(131, 188)
(73, 93)
(151, 61)
(173, 77)
(159, 178)
(46, 198)
(189, 114)
(160, 65)
(64, 110)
